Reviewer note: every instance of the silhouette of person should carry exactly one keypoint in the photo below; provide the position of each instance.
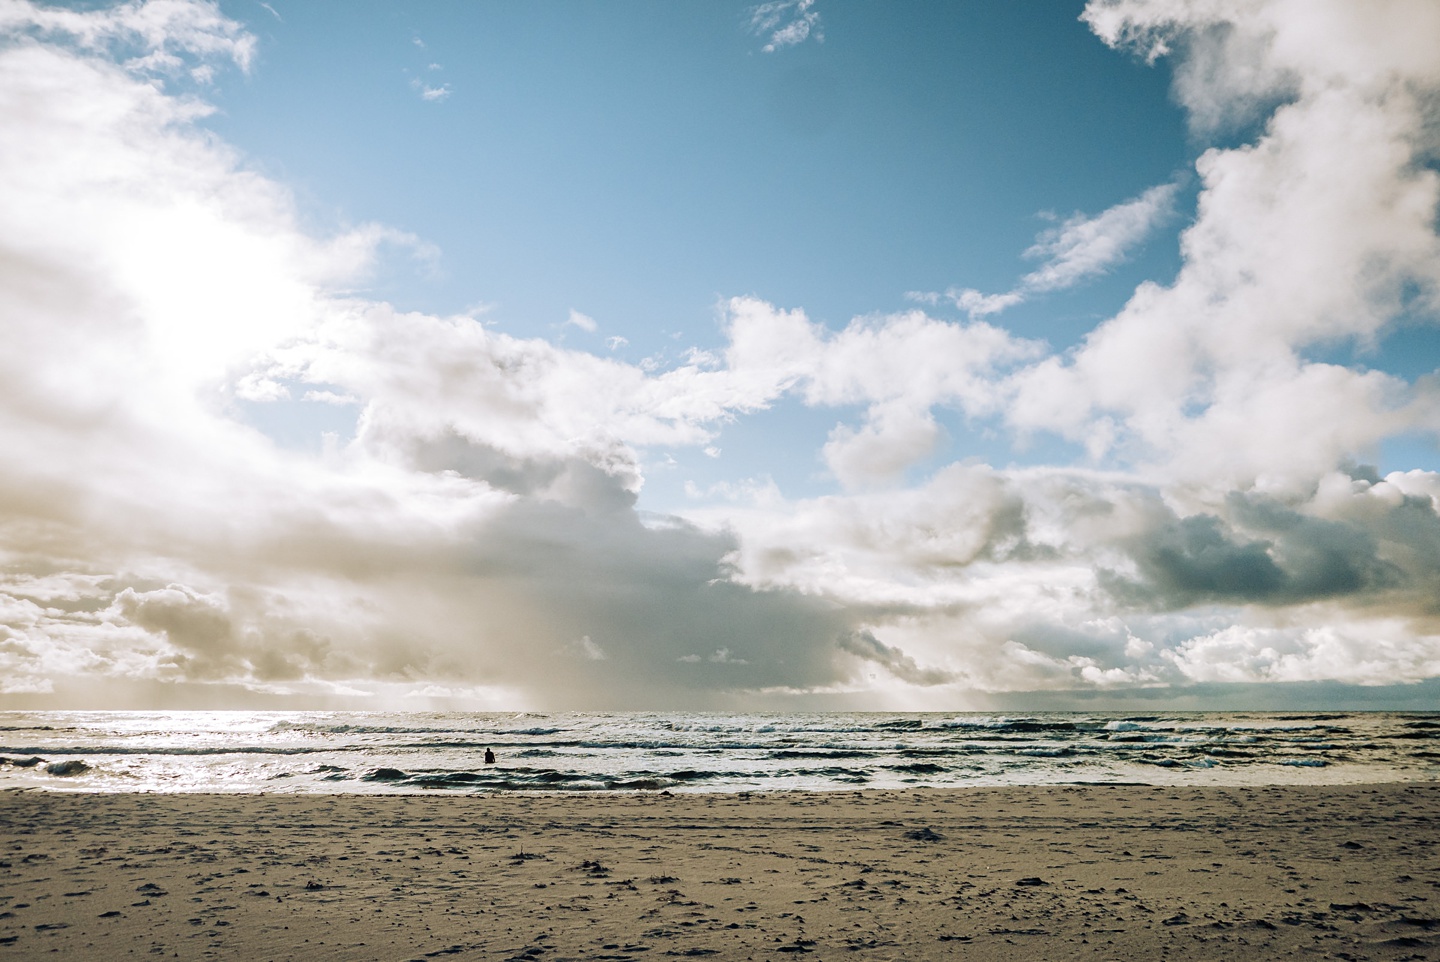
(489, 757)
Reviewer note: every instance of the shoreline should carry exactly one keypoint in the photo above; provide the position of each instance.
(63, 786)
(1107, 872)
(393, 752)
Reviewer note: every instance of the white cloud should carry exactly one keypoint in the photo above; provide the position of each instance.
(428, 93)
(898, 367)
(149, 281)
(1008, 581)
(1079, 248)
(478, 540)
(1296, 244)
(786, 22)
(894, 437)
(1082, 247)
(1379, 652)
(906, 356)
(585, 322)
(978, 304)
(166, 32)
(330, 397)
(588, 649)
(1237, 59)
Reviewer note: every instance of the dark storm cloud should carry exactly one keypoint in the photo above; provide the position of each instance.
(1265, 551)
(864, 645)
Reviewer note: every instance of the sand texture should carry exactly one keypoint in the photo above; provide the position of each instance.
(1110, 873)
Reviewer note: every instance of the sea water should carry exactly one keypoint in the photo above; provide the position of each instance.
(381, 752)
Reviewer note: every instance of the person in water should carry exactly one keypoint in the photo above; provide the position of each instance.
(489, 757)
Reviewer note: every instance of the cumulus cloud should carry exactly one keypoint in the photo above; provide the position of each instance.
(481, 521)
(1295, 245)
(898, 367)
(479, 541)
(1054, 578)
(1376, 655)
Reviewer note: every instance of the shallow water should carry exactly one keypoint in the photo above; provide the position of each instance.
(387, 752)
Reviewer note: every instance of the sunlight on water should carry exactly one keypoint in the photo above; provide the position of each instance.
(376, 752)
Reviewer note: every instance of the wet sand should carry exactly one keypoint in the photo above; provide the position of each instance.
(1082, 872)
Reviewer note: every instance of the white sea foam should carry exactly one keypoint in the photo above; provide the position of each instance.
(379, 752)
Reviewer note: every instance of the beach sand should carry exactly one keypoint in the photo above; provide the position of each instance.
(1079, 872)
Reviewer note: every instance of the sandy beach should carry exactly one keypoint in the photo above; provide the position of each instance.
(1077, 872)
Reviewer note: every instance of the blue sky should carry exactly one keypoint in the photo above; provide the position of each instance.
(645, 355)
(639, 163)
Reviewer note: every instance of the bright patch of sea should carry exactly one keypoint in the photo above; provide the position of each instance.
(386, 753)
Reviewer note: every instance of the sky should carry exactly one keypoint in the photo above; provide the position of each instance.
(812, 354)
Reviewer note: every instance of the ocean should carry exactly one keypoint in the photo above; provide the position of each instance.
(389, 753)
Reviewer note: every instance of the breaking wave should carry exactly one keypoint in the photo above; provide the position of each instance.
(379, 752)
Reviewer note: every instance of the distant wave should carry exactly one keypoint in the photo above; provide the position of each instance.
(1023, 724)
(509, 779)
(820, 753)
(378, 752)
(919, 768)
(171, 750)
(348, 729)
